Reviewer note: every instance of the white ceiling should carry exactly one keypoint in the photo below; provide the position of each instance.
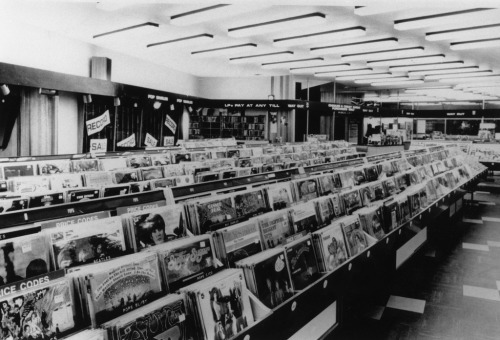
(82, 20)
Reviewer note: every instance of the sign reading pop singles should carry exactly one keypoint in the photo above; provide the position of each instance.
(170, 123)
(150, 140)
(98, 145)
(127, 142)
(97, 124)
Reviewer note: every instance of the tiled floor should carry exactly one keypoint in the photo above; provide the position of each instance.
(451, 293)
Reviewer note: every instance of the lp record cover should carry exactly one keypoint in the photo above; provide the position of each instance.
(44, 311)
(275, 228)
(250, 203)
(214, 213)
(352, 201)
(301, 263)
(354, 235)
(332, 250)
(306, 189)
(371, 221)
(240, 241)
(304, 217)
(280, 195)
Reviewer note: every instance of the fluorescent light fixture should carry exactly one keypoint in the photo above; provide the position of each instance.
(477, 84)
(380, 8)
(369, 45)
(321, 37)
(143, 28)
(429, 88)
(288, 63)
(257, 58)
(435, 58)
(396, 53)
(398, 83)
(277, 25)
(226, 50)
(486, 79)
(473, 44)
(344, 72)
(201, 15)
(486, 31)
(453, 70)
(427, 67)
(185, 41)
(366, 76)
(319, 68)
(465, 75)
(380, 80)
(439, 19)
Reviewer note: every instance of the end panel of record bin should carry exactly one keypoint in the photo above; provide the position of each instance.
(26, 216)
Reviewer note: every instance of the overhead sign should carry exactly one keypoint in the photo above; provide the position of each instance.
(170, 123)
(127, 142)
(97, 124)
(98, 145)
(150, 140)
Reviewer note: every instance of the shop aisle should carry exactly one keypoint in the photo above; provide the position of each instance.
(449, 293)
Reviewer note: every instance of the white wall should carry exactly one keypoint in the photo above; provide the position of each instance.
(67, 124)
(235, 88)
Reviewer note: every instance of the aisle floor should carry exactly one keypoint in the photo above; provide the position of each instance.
(449, 293)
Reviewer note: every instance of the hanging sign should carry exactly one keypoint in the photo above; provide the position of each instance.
(150, 140)
(170, 123)
(98, 145)
(97, 124)
(168, 140)
(127, 142)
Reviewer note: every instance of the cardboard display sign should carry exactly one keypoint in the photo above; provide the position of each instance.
(150, 140)
(97, 124)
(127, 142)
(170, 123)
(98, 145)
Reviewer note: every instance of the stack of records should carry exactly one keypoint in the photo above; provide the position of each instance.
(330, 247)
(371, 173)
(42, 311)
(220, 305)
(150, 227)
(358, 176)
(351, 200)
(367, 194)
(327, 184)
(164, 318)
(372, 221)
(305, 189)
(267, 276)
(390, 186)
(414, 201)
(186, 260)
(110, 289)
(378, 190)
(302, 262)
(275, 228)
(304, 218)
(355, 237)
(77, 244)
(347, 178)
(280, 195)
(237, 242)
(325, 210)
(403, 207)
(391, 215)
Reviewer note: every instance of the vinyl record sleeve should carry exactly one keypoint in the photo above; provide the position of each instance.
(19, 169)
(306, 189)
(304, 217)
(151, 173)
(301, 262)
(240, 241)
(30, 184)
(354, 235)
(82, 195)
(280, 195)
(46, 199)
(84, 165)
(138, 161)
(115, 190)
(97, 179)
(54, 166)
(250, 203)
(215, 213)
(275, 228)
(333, 247)
(114, 163)
(125, 176)
(351, 200)
(13, 204)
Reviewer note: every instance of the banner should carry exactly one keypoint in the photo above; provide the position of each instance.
(98, 145)
(150, 140)
(127, 142)
(170, 123)
(97, 124)
(168, 141)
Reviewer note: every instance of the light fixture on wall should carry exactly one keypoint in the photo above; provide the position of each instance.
(87, 99)
(473, 44)
(116, 101)
(369, 45)
(138, 29)
(47, 92)
(321, 37)
(5, 89)
(277, 25)
(156, 105)
(184, 41)
(226, 50)
(257, 58)
(434, 58)
(440, 19)
(407, 52)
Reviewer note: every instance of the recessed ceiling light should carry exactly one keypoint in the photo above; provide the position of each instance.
(485, 31)
(141, 28)
(257, 58)
(320, 68)
(473, 44)
(439, 19)
(321, 37)
(185, 41)
(453, 70)
(277, 25)
(369, 45)
(427, 66)
(343, 72)
(288, 63)
(226, 50)
(212, 13)
(396, 53)
(435, 58)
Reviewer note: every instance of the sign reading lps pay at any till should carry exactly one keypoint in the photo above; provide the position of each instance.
(170, 123)
(97, 124)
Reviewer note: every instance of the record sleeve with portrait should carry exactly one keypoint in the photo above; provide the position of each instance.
(275, 227)
(354, 235)
(371, 173)
(155, 226)
(45, 312)
(331, 247)
(325, 209)
(186, 261)
(23, 257)
(138, 161)
(371, 220)
(280, 195)
(77, 244)
(215, 213)
(250, 203)
(304, 217)
(302, 263)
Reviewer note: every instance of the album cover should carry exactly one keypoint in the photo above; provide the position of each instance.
(115, 190)
(13, 204)
(326, 184)
(125, 176)
(338, 205)
(84, 165)
(46, 199)
(174, 170)
(414, 202)
(359, 176)
(82, 195)
(121, 285)
(163, 183)
(18, 169)
(229, 174)
(346, 178)
(250, 203)
(325, 209)
(161, 159)
(371, 220)
(155, 226)
(385, 168)
(96, 241)
(414, 177)
(200, 156)
(275, 228)
(45, 312)
(215, 213)
(97, 179)
(367, 195)
(304, 217)
(140, 186)
(306, 189)
(379, 191)
(54, 166)
(186, 261)
(351, 200)
(331, 246)
(371, 173)
(138, 161)
(424, 202)
(23, 257)
(402, 182)
(30, 184)
(390, 187)
(354, 235)
(151, 173)
(404, 209)
(207, 176)
(240, 241)
(301, 262)
(114, 163)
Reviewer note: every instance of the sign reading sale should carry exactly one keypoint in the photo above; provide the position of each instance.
(150, 140)
(97, 124)
(98, 145)
(127, 142)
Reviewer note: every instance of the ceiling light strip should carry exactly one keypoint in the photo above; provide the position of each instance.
(343, 72)
(193, 38)
(451, 70)
(362, 45)
(397, 53)
(492, 78)
(326, 68)
(288, 63)
(224, 50)
(318, 37)
(258, 57)
(435, 19)
(435, 58)
(397, 83)
(196, 11)
(365, 76)
(121, 30)
(472, 44)
(427, 66)
(461, 33)
(465, 74)
(380, 80)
